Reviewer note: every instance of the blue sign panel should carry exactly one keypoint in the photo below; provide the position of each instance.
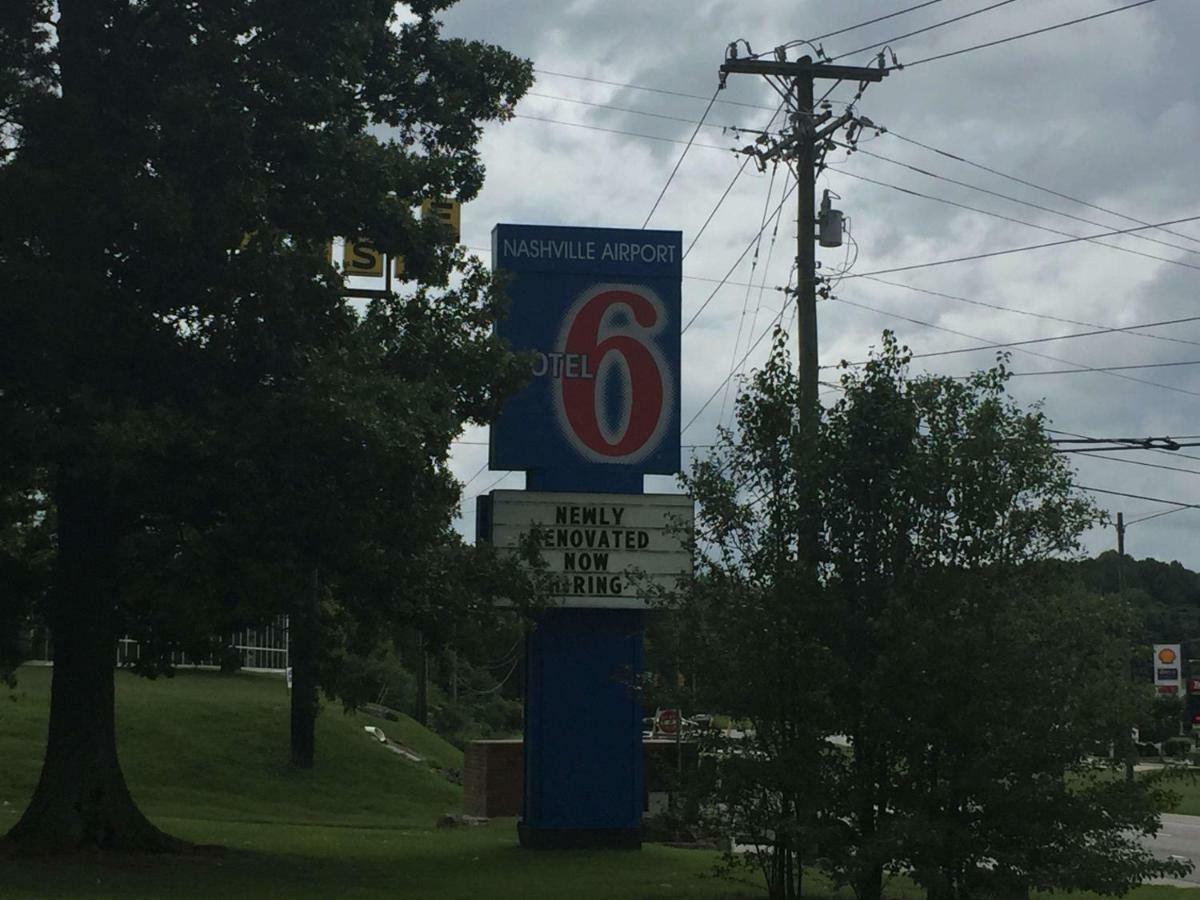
(600, 310)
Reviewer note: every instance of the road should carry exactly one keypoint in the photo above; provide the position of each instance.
(1180, 836)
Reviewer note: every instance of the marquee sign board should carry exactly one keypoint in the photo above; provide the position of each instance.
(600, 310)
(601, 550)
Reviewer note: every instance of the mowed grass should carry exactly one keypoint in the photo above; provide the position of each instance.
(203, 745)
(206, 757)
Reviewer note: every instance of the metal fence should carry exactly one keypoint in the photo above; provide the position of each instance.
(263, 649)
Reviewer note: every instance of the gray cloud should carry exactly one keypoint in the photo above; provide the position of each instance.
(1105, 111)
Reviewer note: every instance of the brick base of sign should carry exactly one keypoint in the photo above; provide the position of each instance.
(494, 774)
(579, 838)
(493, 778)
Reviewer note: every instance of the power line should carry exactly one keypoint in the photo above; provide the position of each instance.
(641, 87)
(1017, 37)
(1087, 438)
(679, 162)
(941, 24)
(1140, 443)
(720, 200)
(1027, 312)
(648, 137)
(721, 281)
(829, 34)
(1166, 512)
(1088, 450)
(736, 263)
(1015, 344)
(1096, 490)
(973, 257)
(482, 469)
(1174, 453)
(737, 341)
(736, 370)
(738, 174)
(1012, 199)
(1161, 365)
(642, 112)
(1011, 250)
(1137, 462)
(1034, 185)
(753, 347)
(1001, 216)
(489, 487)
(1058, 337)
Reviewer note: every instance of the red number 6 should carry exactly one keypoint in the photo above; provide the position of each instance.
(647, 392)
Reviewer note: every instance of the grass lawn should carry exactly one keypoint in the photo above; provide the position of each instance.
(206, 757)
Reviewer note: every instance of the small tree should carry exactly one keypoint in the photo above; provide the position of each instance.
(968, 684)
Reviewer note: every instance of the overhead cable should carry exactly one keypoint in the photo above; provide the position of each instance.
(641, 87)
(713, 396)
(1016, 221)
(1058, 337)
(941, 24)
(1007, 344)
(737, 341)
(643, 112)
(1014, 344)
(1017, 37)
(829, 34)
(482, 469)
(1165, 512)
(1034, 185)
(1179, 503)
(1011, 199)
(738, 174)
(1028, 312)
(1138, 462)
(1159, 365)
(1011, 250)
(679, 162)
(721, 283)
(1173, 453)
(648, 137)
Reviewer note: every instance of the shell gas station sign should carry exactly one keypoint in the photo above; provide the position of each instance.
(1168, 668)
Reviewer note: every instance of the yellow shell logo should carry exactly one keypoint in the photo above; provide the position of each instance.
(1166, 656)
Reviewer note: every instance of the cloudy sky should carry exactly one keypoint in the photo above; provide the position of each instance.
(1103, 112)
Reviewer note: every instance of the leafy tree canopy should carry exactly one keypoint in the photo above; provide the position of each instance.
(925, 689)
(178, 364)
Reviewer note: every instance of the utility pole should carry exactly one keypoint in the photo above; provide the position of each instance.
(1120, 553)
(810, 134)
(1130, 748)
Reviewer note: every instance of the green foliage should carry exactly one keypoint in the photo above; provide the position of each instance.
(220, 432)
(1179, 747)
(877, 573)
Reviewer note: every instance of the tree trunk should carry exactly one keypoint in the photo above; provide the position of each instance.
(302, 647)
(421, 713)
(81, 800)
(869, 883)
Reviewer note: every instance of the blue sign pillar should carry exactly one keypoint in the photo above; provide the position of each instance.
(600, 311)
(583, 730)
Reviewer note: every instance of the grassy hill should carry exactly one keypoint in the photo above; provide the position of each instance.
(215, 747)
(206, 758)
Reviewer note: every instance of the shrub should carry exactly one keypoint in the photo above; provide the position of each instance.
(1178, 747)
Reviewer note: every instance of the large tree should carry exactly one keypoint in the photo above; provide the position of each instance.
(172, 174)
(928, 695)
